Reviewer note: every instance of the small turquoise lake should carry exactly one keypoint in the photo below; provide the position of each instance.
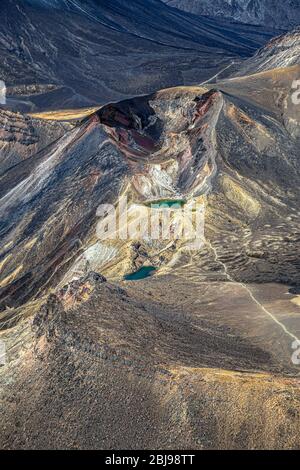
(142, 273)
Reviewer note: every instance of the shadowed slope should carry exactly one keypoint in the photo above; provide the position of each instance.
(100, 51)
(270, 13)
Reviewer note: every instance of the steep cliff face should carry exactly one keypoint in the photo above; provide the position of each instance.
(22, 136)
(281, 52)
(269, 13)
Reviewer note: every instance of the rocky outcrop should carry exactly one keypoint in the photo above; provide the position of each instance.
(51, 315)
(281, 52)
(80, 290)
(22, 136)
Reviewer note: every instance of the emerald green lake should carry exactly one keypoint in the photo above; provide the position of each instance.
(142, 273)
(159, 204)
